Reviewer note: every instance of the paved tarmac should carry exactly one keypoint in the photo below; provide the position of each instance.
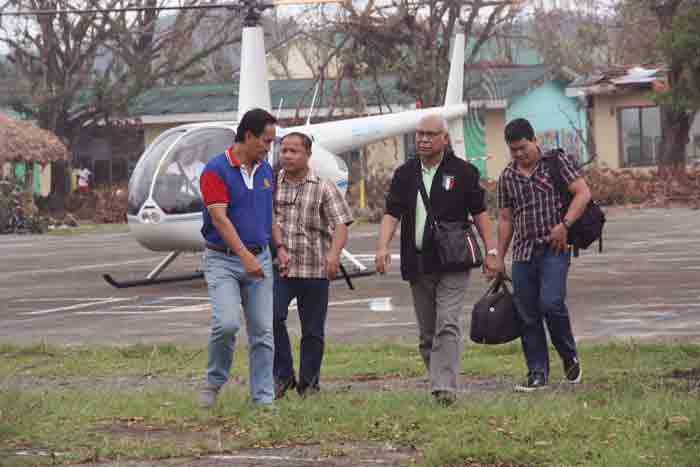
(644, 285)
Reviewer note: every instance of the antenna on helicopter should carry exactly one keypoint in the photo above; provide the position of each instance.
(279, 108)
(311, 109)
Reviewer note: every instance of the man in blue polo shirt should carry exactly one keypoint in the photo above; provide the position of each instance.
(236, 188)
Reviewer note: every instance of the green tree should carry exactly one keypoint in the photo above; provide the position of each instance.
(680, 101)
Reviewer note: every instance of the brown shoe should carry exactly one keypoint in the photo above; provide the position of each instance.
(282, 386)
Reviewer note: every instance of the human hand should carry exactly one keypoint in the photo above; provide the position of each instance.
(382, 261)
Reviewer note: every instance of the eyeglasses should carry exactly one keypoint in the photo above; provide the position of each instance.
(420, 134)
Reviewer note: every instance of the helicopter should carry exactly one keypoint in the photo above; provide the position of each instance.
(164, 203)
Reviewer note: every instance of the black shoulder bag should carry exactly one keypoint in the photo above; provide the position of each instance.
(454, 242)
(589, 227)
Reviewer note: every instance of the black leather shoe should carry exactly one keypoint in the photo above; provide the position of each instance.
(308, 391)
(282, 386)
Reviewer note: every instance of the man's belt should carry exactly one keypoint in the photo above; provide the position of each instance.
(256, 250)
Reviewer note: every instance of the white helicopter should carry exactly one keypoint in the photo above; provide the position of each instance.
(164, 206)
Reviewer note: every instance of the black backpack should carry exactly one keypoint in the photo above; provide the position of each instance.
(589, 227)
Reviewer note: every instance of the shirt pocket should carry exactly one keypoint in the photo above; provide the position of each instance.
(313, 219)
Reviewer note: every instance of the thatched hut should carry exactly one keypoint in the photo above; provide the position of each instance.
(31, 158)
(22, 141)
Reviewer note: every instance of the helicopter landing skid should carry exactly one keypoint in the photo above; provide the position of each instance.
(153, 277)
(162, 280)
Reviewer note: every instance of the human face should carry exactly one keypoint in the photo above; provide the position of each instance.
(431, 137)
(294, 157)
(524, 152)
(260, 145)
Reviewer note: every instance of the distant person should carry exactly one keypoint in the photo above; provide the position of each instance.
(530, 207)
(310, 232)
(454, 194)
(84, 180)
(190, 166)
(236, 189)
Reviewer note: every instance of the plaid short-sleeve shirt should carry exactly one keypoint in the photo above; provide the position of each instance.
(307, 213)
(535, 202)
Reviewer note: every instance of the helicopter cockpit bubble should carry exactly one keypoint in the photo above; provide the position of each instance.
(176, 189)
(172, 171)
(142, 177)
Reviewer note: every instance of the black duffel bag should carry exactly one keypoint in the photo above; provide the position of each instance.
(494, 317)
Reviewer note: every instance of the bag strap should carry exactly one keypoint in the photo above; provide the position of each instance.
(498, 282)
(426, 201)
(554, 166)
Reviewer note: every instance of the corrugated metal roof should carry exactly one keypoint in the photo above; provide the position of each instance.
(621, 75)
(204, 98)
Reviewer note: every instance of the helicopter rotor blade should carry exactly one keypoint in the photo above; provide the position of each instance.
(207, 6)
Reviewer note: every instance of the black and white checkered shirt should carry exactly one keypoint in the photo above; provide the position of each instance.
(534, 201)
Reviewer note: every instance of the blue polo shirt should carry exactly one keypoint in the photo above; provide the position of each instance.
(248, 202)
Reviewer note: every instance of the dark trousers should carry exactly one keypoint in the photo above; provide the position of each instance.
(312, 303)
(540, 296)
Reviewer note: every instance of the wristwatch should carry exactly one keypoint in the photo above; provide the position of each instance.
(566, 223)
(492, 252)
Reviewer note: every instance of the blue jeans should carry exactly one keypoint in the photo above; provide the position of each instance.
(312, 303)
(231, 289)
(540, 295)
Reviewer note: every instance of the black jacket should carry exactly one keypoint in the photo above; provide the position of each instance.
(455, 203)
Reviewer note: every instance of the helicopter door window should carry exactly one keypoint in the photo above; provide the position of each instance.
(177, 183)
(142, 176)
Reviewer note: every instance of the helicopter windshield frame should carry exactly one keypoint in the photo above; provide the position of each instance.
(175, 183)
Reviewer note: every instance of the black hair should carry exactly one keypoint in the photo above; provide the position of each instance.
(305, 139)
(519, 129)
(255, 121)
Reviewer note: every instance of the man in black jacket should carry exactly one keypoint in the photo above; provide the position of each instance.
(454, 195)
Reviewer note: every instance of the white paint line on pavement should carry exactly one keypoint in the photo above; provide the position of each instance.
(364, 235)
(77, 307)
(184, 298)
(653, 305)
(371, 256)
(88, 267)
(179, 309)
(350, 302)
(622, 321)
(83, 299)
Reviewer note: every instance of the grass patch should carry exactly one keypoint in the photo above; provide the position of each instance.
(633, 411)
(88, 227)
(341, 361)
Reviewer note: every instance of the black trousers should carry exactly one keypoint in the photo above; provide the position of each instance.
(312, 304)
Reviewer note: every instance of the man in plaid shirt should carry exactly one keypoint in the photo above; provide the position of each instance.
(310, 231)
(531, 207)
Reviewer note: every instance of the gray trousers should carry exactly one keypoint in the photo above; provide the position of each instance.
(438, 300)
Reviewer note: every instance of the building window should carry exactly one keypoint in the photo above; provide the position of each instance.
(640, 136)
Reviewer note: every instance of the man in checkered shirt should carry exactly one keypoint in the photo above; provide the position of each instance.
(531, 207)
(310, 232)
